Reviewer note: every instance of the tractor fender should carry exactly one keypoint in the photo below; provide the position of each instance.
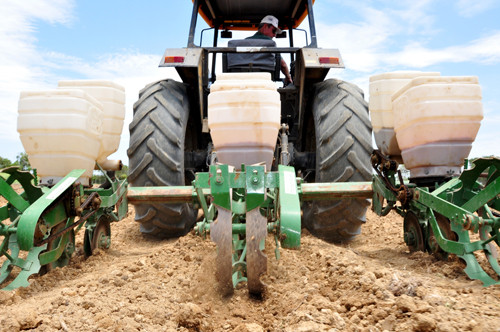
(312, 66)
(322, 58)
(189, 64)
(182, 57)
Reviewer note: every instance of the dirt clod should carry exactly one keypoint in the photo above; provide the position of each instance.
(370, 284)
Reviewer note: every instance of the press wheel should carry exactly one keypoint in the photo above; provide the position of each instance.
(101, 235)
(445, 227)
(98, 238)
(413, 235)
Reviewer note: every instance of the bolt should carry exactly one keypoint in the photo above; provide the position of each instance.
(255, 180)
(467, 222)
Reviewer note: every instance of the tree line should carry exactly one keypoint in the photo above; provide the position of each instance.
(21, 161)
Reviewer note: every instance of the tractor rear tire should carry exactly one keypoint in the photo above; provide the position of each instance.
(343, 147)
(156, 156)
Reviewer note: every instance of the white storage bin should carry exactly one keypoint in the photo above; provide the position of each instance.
(244, 118)
(436, 119)
(382, 87)
(112, 98)
(60, 131)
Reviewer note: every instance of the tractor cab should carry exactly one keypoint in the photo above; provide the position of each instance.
(251, 54)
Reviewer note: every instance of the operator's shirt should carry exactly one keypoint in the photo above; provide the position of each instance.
(259, 35)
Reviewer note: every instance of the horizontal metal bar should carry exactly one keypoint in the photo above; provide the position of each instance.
(309, 191)
(175, 194)
(261, 49)
(237, 228)
(340, 190)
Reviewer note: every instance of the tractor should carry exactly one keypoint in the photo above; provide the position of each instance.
(326, 125)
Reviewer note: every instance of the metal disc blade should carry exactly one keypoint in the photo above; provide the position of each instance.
(221, 233)
(256, 260)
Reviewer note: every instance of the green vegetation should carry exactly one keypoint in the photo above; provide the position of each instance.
(21, 161)
(98, 177)
(4, 162)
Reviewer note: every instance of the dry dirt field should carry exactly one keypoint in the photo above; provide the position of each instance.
(372, 284)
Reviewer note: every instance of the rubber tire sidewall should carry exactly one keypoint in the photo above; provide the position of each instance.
(343, 149)
(156, 156)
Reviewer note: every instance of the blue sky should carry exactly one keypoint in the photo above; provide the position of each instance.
(44, 41)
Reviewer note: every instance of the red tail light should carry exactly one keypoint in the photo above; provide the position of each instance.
(328, 60)
(174, 59)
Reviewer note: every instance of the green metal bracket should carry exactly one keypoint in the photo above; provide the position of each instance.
(220, 186)
(52, 255)
(17, 201)
(485, 195)
(255, 186)
(381, 194)
(289, 207)
(27, 224)
(455, 213)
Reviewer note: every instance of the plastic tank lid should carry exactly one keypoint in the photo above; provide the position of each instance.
(402, 75)
(240, 76)
(74, 93)
(238, 81)
(420, 80)
(91, 83)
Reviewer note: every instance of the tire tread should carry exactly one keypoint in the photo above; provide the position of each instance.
(156, 155)
(343, 148)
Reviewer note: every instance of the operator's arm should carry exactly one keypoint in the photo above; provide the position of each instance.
(284, 70)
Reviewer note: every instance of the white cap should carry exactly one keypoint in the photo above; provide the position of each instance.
(270, 19)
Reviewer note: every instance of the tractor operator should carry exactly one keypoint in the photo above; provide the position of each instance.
(268, 28)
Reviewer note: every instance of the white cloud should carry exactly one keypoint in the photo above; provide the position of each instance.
(365, 43)
(470, 8)
(19, 57)
(484, 50)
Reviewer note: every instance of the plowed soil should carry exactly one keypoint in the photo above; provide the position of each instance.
(139, 284)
